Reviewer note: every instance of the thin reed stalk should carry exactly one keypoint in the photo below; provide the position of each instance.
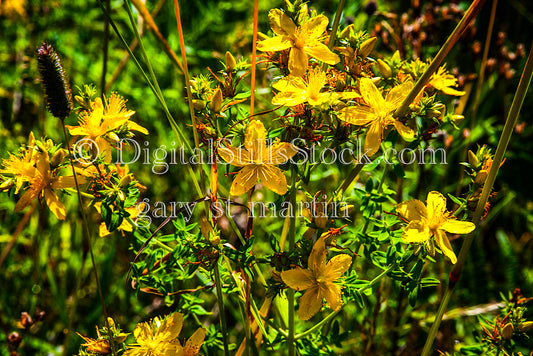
(455, 274)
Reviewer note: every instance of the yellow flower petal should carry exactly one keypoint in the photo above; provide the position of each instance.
(273, 44)
(235, 156)
(132, 126)
(436, 204)
(396, 95)
(332, 293)
(317, 258)
(289, 99)
(54, 204)
(458, 227)
(451, 91)
(244, 181)
(298, 278)
(310, 303)
(273, 178)
(170, 328)
(290, 84)
(412, 209)
(445, 246)
(373, 138)
(298, 62)
(142, 332)
(336, 267)
(279, 153)
(67, 182)
(371, 95)
(406, 132)
(280, 23)
(357, 115)
(255, 139)
(416, 231)
(321, 52)
(316, 26)
(26, 199)
(194, 343)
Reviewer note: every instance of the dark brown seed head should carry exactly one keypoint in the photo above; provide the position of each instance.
(56, 87)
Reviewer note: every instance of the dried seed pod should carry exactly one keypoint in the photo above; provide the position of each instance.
(56, 87)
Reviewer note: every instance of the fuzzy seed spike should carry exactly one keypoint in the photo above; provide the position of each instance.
(56, 87)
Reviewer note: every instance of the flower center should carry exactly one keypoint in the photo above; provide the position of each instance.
(298, 41)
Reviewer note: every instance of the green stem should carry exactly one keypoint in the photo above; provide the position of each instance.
(89, 242)
(336, 21)
(470, 14)
(292, 242)
(318, 325)
(220, 300)
(105, 49)
(487, 188)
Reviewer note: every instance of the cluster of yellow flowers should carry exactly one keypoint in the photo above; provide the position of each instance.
(33, 165)
(42, 165)
(157, 337)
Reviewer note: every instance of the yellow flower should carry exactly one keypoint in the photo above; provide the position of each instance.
(11, 8)
(43, 183)
(433, 220)
(378, 115)
(442, 81)
(22, 168)
(295, 90)
(318, 279)
(33, 166)
(98, 124)
(160, 338)
(258, 160)
(304, 41)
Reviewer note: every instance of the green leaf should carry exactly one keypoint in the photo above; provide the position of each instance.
(429, 282)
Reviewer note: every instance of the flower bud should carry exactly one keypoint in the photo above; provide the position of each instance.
(340, 84)
(57, 158)
(216, 101)
(113, 137)
(367, 47)
(346, 32)
(230, 62)
(472, 159)
(481, 177)
(14, 339)
(124, 181)
(56, 87)
(507, 331)
(434, 113)
(25, 320)
(384, 69)
(7, 184)
(198, 104)
(456, 119)
(525, 326)
(429, 245)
